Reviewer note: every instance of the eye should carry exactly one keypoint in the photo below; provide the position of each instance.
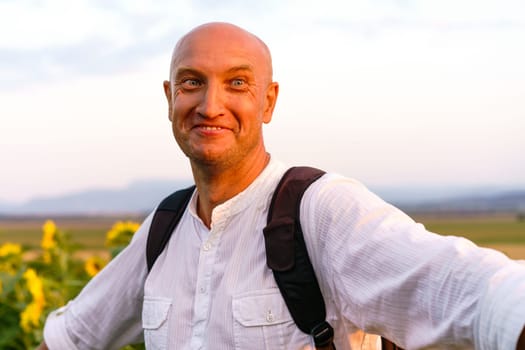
(191, 83)
(238, 83)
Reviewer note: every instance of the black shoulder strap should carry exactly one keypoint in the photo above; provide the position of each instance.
(165, 219)
(287, 256)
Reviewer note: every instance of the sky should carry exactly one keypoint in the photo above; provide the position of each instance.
(392, 93)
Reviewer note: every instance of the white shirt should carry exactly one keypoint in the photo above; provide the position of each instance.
(379, 271)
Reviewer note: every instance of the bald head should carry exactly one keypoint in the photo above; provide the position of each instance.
(220, 94)
(217, 38)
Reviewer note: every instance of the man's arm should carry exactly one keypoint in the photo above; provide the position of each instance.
(42, 346)
(107, 312)
(387, 273)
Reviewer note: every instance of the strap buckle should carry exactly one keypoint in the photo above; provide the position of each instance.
(323, 334)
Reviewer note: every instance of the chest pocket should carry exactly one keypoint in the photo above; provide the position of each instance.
(155, 312)
(262, 321)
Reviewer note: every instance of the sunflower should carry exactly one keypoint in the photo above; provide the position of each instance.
(48, 239)
(93, 265)
(7, 249)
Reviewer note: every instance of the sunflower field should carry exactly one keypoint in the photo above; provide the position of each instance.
(34, 283)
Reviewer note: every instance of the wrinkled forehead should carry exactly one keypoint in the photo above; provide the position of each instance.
(222, 43)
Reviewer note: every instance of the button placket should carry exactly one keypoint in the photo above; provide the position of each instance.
(202, 297)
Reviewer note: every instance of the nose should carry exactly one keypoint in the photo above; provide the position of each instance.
(211, 104)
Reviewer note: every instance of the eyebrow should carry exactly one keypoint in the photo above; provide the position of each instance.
(188, 70)
(242, 67)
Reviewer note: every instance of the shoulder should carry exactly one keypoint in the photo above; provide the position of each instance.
(333, 190)
(336, 204)
(141, 235)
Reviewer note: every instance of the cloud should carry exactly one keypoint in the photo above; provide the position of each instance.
(369, 79)
(54, 39)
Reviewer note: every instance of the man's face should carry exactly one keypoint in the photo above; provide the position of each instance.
(220, 92)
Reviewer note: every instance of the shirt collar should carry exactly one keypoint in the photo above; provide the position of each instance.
(257, 193)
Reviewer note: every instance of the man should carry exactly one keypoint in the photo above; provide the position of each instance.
(211, 289)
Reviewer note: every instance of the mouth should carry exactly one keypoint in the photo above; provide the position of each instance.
(209, 128)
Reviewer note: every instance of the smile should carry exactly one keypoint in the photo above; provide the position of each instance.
(211, 127)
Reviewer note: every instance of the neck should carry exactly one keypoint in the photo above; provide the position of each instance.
(215, 185)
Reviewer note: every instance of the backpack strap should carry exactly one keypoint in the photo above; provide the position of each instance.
(388, 345)
(287, 256)
(165, 219)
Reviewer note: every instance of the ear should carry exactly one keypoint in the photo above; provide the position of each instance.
(270, 100)
(167, 92)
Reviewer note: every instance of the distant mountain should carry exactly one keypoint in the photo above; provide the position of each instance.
(138, 197)
(509, 201)
(4, 206)
(408, 195)
(142, 196)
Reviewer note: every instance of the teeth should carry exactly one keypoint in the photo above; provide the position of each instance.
(211, 128)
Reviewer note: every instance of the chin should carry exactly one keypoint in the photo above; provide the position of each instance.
(208, 159)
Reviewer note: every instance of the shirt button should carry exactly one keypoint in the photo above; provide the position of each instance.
(269, 316)
(202, 289)
(207, 246)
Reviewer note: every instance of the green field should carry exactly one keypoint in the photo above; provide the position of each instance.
(88, 232)
(486, 229)
(502, 231)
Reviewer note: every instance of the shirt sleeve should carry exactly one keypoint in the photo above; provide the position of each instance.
(388, 275)
(107, 312)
